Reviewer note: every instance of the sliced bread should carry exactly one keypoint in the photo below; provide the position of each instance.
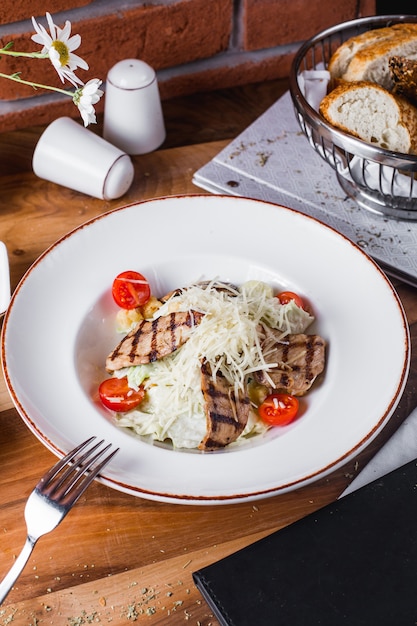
(366, 56)
(371, 113)
(404, 74)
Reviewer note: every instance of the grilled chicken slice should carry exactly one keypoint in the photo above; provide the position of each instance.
(151, 340)
(226, 415)
(300, 358)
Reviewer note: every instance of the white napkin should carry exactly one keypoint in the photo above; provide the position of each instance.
(313, 85)
(399, 450)
(381, 178)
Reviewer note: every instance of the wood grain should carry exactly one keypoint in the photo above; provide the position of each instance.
(117, 558)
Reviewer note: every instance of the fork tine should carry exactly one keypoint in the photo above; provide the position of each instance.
(76, 475)
(62, 463)
(56, 486)
(82, 480)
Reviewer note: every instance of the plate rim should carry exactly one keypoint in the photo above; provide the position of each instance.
(227, 498)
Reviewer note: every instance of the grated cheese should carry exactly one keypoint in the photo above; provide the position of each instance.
(227, 337)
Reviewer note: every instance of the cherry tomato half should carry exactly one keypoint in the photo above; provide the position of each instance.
(116, 394)
(286, 296)
(130, 290)
(278, 409)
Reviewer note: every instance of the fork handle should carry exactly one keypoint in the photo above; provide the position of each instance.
(17, 567)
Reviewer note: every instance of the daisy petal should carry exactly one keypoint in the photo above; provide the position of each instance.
(41, 37)
(52, 27)
(86, 97)
(64, 33)
(74, 42)
(76, 61)
(59, 46)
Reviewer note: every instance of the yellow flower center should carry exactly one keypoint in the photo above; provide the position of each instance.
(62, 50)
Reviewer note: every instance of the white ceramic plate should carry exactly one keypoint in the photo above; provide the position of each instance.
(60, 327)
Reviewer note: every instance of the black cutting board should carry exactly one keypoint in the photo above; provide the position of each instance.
(353, 562)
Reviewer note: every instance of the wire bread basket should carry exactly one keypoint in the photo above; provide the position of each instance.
(379, 180)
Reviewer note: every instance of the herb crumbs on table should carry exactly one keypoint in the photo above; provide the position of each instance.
(84, 618)
(9, 618)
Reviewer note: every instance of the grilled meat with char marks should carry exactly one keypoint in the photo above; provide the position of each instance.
(151, 340)
(300, 360)
(226, 414)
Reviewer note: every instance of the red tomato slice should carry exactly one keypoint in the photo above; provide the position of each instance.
(116, 394)
(278, 409)
(130, 290)
(286, 296)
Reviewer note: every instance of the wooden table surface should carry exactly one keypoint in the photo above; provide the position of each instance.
(117, 558)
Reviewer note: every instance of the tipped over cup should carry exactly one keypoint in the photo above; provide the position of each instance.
(72, 156)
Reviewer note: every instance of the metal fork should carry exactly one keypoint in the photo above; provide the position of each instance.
(54, 496)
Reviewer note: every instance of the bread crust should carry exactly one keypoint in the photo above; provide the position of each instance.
(379, 113)
(339, 61)
(366, 56)
(404, 74)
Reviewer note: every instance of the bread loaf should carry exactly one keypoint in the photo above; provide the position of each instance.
(371, 113)
(404, 74)
(366, 57)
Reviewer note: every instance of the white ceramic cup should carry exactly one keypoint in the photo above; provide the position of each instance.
(70, 155)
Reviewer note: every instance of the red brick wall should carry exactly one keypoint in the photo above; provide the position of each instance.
(194, 45)
(16, 10)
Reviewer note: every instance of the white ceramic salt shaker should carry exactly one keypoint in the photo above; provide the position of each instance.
(133, 119)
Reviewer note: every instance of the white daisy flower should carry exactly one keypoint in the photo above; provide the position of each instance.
(59, 46)
(86, 97)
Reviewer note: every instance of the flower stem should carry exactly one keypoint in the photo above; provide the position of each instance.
(30, 55)
(35, 85)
